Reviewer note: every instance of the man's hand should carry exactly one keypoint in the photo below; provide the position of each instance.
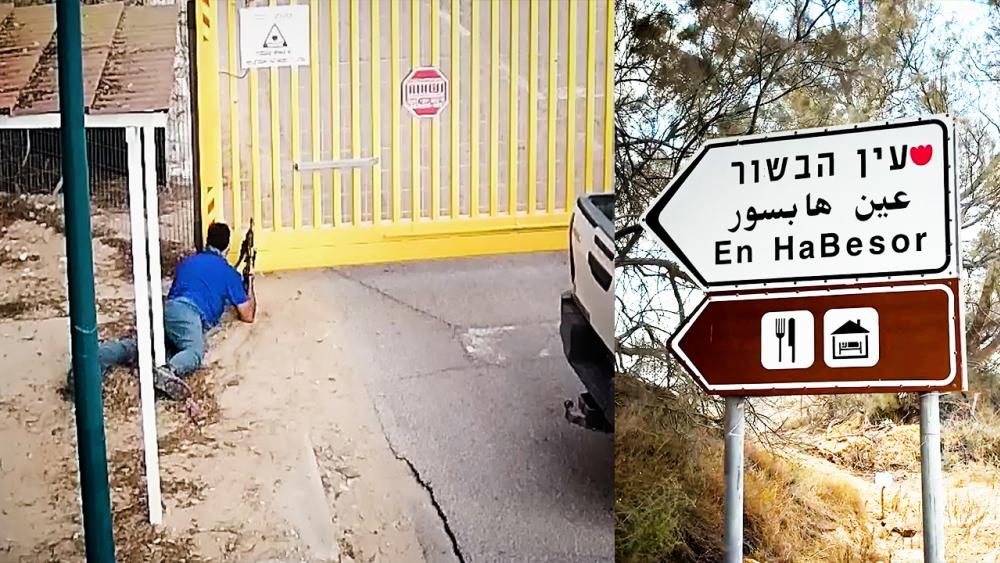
(247, 312)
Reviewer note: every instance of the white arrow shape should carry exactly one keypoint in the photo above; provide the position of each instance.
(858, 203)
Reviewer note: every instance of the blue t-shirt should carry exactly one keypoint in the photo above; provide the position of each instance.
(209, 282)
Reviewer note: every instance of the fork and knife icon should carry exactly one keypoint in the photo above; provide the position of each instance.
(783, 327)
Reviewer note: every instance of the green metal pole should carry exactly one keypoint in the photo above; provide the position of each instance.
(95, 495)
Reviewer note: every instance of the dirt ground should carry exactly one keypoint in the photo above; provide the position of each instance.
(853, 451)
(289, 464)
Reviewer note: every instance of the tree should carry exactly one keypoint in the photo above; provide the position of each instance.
(688, 72)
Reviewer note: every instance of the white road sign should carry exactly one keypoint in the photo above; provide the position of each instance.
(272, 36)
(855, 203)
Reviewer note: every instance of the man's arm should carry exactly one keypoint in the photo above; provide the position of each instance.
(247, 311)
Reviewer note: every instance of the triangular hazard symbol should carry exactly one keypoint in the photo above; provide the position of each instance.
(275, 39)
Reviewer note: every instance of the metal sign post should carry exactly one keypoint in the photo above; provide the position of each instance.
(831, 263)
(94, 492)
(735, 417)
(931, 479)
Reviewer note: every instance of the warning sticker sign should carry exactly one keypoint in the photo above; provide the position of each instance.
(272, 36)
(275, 39)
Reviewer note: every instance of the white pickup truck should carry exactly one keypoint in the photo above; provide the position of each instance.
(587, 322)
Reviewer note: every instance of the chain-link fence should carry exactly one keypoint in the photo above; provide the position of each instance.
(30, 161)
(30, 164)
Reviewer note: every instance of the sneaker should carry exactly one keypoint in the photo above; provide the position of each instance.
(166, 381)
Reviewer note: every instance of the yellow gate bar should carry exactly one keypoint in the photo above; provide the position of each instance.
(609, 98)
(550, 113)
(494, 102)
(532, 107)
(255, 191)
(376, 89)
(474, 75)
(275, 138)
(570, 163)
(296, 149)
(415, 211)
(234, 122)
(355, 114)
(338, 216)
(512, 137)
(588, 138)
(317, 203)
(394, 87)
(408, 241)
(455, 113)
(275, 119)
(435, 124)
(209, 120)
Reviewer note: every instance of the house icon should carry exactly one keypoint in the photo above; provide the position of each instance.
(850, 340)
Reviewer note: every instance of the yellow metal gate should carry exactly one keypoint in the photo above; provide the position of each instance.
(529, 125)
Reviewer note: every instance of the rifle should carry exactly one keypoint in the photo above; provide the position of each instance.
(248, 255)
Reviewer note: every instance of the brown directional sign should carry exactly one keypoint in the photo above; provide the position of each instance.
(850, 339)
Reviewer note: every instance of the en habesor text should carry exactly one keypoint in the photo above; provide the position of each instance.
(829, 245)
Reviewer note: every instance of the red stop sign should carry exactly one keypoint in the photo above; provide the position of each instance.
(425, 92)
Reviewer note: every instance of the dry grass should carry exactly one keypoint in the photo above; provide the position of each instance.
(14, 309)
(831, 410)
(669, 486)
(967, 514)
(880, 432)
(135, 539)
(867, 450)
(973, 440)
(39, 209)
(800, 514)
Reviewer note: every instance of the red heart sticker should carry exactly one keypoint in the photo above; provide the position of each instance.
(921, 155)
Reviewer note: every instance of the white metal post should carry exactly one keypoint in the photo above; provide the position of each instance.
(153, 242)
(733, 536)
(931, 479)
(137, 215)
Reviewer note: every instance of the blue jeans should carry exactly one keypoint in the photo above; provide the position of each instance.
(185, 340)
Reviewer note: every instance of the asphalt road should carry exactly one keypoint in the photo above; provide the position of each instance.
(463, 361)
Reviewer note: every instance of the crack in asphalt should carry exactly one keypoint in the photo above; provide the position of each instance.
(395, 299)
(437, 507)
(455, 549)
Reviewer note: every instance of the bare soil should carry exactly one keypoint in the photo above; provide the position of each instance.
(853, 451)
(289, 463)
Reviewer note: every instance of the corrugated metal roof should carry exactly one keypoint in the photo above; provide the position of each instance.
(41, 95)
(128, 58)
(25, 34)
(139, 75)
